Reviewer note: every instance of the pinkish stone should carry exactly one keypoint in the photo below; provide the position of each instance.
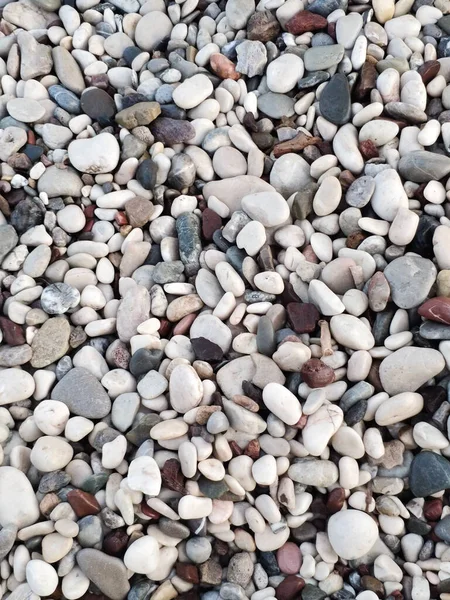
(289, 558)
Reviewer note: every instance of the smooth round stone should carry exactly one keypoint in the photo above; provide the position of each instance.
(25, 110)
(410, 278)
(399, 408)
(142, 555)
(152, 29)
(97, 103)
(185, 387)
(58, 298)
(18, 503)
(71, 218)
(430, 473)
(269, 208)
(107, 573)
(289, 558)
(389, 195)
(282, 403)
(51, 417)
(276, 105)
(192, 91)
(352, 533)
(99, 154)
(351, 332)
(50, 453)
(229, 162)
(41, 577)
(15, 385)
(407, 369)
(198, 549)
(335, 100)
(284, 72)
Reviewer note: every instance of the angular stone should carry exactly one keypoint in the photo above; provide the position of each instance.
(410, 278)
(305, 21)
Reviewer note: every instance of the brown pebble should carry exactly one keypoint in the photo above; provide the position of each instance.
(211, 222)
(139, 210)
(346, 178)
(374, 585)
(12, 332)
(83, 503)
(335, 500)
(253, 449)
(290, 588)
(429, 70)
(366, 82)
(184, 324)
(316, 374)
(115, 542)
(354, 239)
(432, 509)
(223, 67)
(204, 412)
(48, 503)
(235, 448)
(368, 149)
(305, 21)
(148, 511)
(436, 309)
(187, 572)
(303, 317)
(246, 402)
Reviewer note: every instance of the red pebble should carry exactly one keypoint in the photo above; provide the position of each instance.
(436, 309)
(289, 558)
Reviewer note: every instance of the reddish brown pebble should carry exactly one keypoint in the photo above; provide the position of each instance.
(187, 572)
(335, 500)
(303, 317)
(164, 327)
(184, 324)
(316, 373)
(354, 239)
(346, 178)
(253, 449)
(83, 503)
(368, 149)
(290, 588)
(289, 558)
(223, 67)
(305, 21)
(210, 223)
(432, 509)
(148, 511)
(367, 81)
(429, 70)
(115, 542)
(235, 448)
(436, 309)
(12, 333)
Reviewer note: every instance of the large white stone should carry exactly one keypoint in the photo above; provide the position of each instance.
(352, 533)
(144, 476)
(99, 154)
(18, 503)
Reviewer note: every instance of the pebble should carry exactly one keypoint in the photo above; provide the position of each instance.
(224, 283)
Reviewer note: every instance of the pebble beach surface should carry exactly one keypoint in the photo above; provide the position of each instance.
(225, 300)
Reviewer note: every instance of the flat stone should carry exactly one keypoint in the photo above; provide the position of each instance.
(107, 573)
(57, 182)
(141, 113)
(409, 368)
(25, 110)
(50, 342)
(320, 58)
(423, 166)
(172, 131)
(410, 278)
(97, 104)
(276, 105)
(67, 70)
(83, 394)
(18, 503)
(335, 100)
(8, 240)
(430, 473)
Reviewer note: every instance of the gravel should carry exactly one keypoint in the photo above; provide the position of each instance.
(225, 300)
